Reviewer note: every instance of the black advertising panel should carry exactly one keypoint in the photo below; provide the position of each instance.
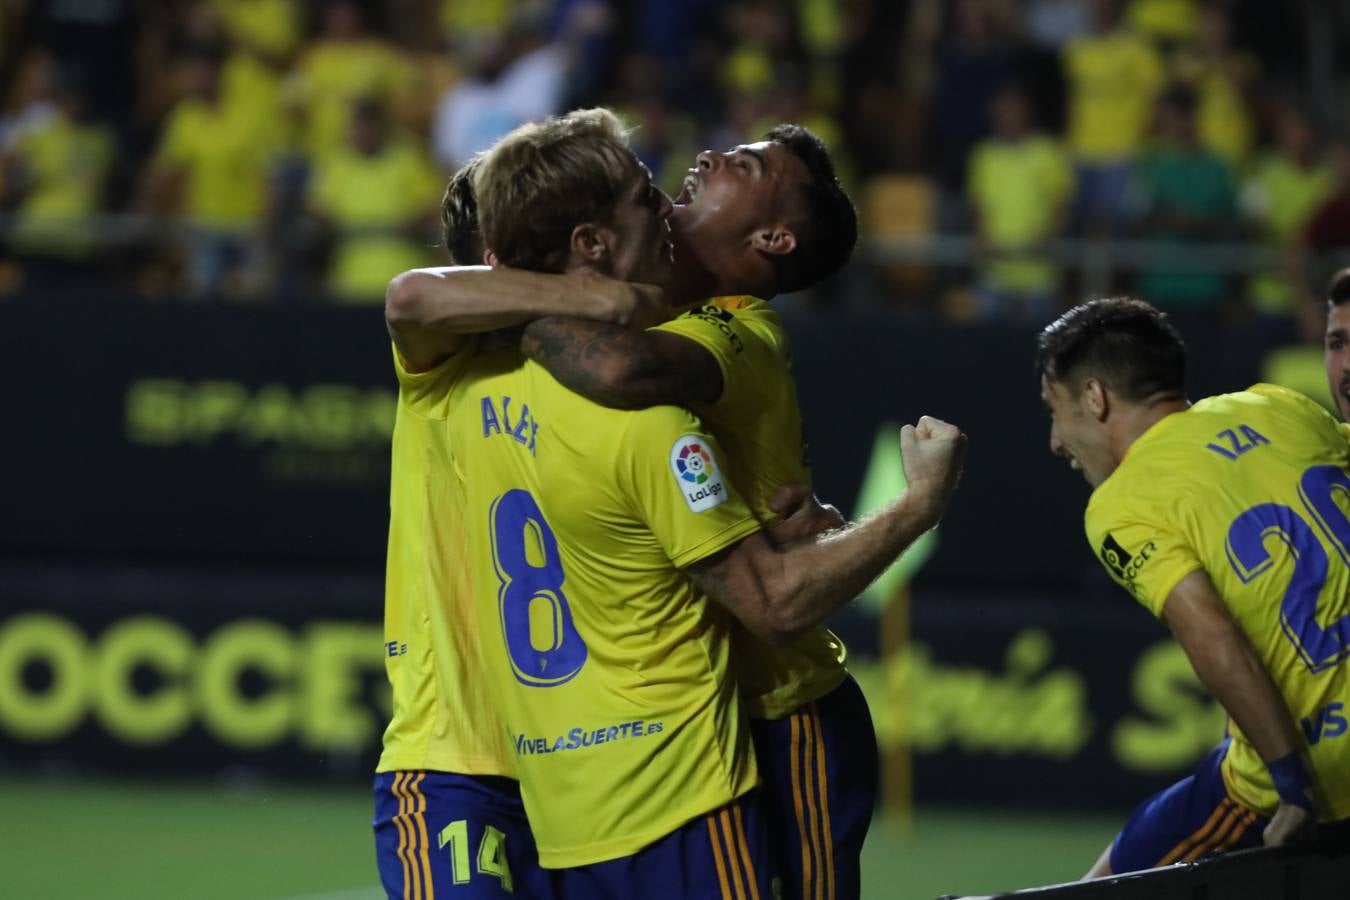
(1004, 699)
(216, 432)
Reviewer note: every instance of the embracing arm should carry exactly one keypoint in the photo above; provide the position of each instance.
(1230, 669)
(780, 592)
(430, 312)
(623, 368)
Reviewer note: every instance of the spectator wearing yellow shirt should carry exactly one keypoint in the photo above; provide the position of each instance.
(1222, 78)
(345, 63)
(211, 167)
(377, 194)
(1019, 183)
(1113, 78)
(54, 174)
(263, 36)
(1165, 21)
(1281, 196)
(266, 29)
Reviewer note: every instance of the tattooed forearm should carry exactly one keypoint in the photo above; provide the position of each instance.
(622, 367)
(564, 347)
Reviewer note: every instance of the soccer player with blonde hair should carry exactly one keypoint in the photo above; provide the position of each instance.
(609, 666)
(447, 804)
(756, 220)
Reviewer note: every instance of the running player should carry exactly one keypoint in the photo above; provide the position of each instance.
(633, 761)
(1225, 518)
(761, 219)
(446, 776)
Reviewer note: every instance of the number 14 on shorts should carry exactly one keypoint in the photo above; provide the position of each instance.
(491, 858)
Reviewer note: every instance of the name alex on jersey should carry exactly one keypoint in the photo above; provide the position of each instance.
(524, 430)
(696, 474)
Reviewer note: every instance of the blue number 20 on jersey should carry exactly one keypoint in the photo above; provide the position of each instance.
(1320, 648)
(542, 642)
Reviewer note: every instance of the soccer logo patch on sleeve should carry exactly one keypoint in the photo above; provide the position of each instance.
(697, 474)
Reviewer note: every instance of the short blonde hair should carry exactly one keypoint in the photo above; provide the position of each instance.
(545, 178)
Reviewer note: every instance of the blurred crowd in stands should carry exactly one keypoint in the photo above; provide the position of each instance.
(279, 150)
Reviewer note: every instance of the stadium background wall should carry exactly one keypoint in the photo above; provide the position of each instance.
(191, 552)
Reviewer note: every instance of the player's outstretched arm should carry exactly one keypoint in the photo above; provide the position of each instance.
(623, 368)
(1230, 669)
(430, 312)
(779, 593)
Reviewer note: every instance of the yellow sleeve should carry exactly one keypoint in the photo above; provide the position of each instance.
(1072, 55)
(1140, 554)
(426, 393)
(424, 181)
(671, 469)
(977, 180)
(1151, 73)
(745, 352)
(1060, 171)
(326, 188)
(176, 144)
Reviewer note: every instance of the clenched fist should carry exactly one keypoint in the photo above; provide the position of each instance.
(933, 454)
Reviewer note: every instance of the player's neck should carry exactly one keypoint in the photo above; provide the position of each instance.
(1131, 421)
(704, 270)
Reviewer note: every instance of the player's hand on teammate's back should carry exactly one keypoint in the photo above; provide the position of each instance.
(933, 452)
(1290, 823)
(803, 516)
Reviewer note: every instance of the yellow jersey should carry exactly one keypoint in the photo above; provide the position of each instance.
(442, 719)
(375, 197)
(225, 162)
(1253, 488)
(1019, 189)
(331, 75)
(759, 425)
(66, 163)
(611, 671)
(1113, 81)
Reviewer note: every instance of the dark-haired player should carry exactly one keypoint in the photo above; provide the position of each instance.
(758, 220)
(612, 559)
(1227, 519)
(1337, 347)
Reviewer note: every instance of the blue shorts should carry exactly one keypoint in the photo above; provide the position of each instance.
(819, 766)
(724, 855)
(1192, 819)
(435, 831)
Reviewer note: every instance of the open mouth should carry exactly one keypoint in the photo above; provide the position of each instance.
(687, 190)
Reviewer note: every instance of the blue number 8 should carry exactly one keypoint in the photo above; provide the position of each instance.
(1319, 648)
(525, 585)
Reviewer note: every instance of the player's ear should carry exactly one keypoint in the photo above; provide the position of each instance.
(776, 241)
(590, 243)
(1094, 399)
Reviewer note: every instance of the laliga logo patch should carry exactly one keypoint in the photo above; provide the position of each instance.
(696, 474)
(694, 463)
